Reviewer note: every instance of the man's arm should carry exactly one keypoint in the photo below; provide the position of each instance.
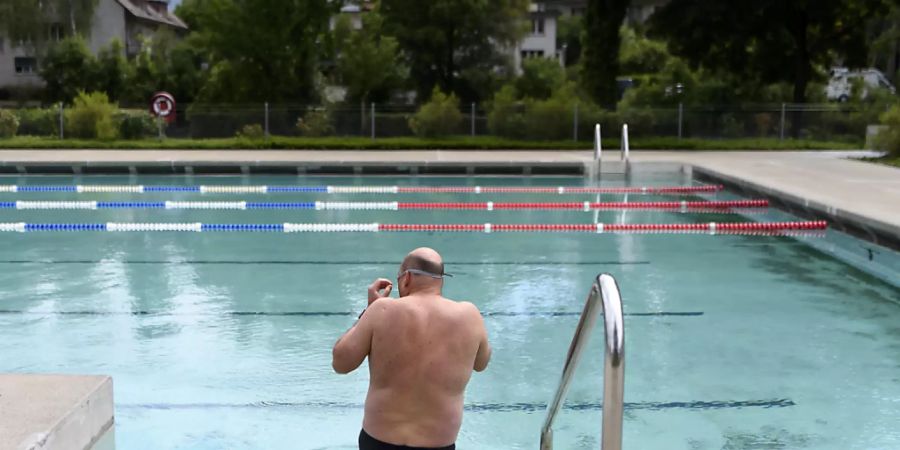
(353, 347)
(483, 356)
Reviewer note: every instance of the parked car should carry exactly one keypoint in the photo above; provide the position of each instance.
(840, 86)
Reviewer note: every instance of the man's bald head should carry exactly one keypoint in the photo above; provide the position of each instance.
(424, 258)
(427, 260)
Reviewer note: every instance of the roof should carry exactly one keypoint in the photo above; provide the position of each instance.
(142, 10)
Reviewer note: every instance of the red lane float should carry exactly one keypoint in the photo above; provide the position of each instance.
(716, 228)
(586, 206)
(559, 190)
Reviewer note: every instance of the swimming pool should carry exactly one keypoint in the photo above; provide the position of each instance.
(220, 340)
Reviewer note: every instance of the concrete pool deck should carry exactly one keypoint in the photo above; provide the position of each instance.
(827, 184)
(54, 412)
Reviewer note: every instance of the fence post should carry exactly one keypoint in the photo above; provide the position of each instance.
(373, 120)
(781, 133)
(575, 124)
(62, 134)
(266, 120)
(472, 114)
(680, 118)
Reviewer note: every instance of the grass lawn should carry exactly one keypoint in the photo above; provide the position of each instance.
(413, 143)
(886, 160)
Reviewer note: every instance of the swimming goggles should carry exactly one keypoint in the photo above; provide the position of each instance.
(425, 273)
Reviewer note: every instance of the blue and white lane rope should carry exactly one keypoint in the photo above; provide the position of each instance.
(684, 206)
(677, 228)
(264, 189)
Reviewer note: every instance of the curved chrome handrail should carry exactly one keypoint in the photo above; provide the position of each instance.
(606, 290)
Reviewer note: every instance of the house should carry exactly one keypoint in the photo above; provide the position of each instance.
(126, 20)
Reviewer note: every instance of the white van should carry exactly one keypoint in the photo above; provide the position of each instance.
(840, 86)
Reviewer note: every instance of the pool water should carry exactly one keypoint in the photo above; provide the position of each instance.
(223, 341)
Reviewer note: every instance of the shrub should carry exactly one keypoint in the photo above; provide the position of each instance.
(252, 131)
(136, 125)
(39, 122)
(888, 139)
(504, 115)
(9, 124)
(91, 117)
(439, 117)
(315, 123)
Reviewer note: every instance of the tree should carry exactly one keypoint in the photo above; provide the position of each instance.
(30, 21)
(68, 68)
(258, 50)
(768, 41)
(112, 71)
(367, 60)
(165, 64)
(600, 61)
(540, 78)
(442, 39)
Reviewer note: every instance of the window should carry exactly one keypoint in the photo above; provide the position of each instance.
(26, 66)
(532, 54)
(57, 32)
(537, 25)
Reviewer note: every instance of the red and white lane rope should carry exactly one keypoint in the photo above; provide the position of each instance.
(196, 227)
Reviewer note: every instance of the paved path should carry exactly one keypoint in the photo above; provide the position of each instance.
(63, 412)
(858, 191)
(843, 188)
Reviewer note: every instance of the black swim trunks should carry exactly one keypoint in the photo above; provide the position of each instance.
(367, 442)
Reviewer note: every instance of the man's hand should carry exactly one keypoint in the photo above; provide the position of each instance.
(379, 288)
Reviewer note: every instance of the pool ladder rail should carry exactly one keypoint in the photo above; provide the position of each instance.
(604, 293)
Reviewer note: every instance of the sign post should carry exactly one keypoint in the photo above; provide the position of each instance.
(162, 106)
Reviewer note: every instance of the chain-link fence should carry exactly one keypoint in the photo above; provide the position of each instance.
(532, 121)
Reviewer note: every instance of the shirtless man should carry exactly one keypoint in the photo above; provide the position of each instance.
(422, 349)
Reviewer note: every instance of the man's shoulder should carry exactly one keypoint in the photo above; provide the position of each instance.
(465, 307)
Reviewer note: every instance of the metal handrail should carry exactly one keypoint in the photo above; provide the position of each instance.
(606, 290)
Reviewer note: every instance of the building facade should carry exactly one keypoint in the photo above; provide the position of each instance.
(129, 21)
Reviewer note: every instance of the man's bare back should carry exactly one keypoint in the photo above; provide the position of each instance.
(422, 350)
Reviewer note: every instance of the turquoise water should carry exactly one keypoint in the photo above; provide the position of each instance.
(223, 340)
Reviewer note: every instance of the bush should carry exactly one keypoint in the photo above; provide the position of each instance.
(91, 117)
(504, 115)
(439, 117)
(9, 124)
(136, 125)
(888, 139)
(252, 131)
(39, 122)
(315, 123)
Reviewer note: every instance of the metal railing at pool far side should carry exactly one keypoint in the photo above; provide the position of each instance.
(604, 294)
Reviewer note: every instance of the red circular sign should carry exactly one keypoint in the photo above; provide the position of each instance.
(163, 105)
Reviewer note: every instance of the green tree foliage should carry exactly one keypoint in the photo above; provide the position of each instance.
(439, 117)
(768, 41)
(258, 49)
(92, 117)
(112, 71)
(569, 30)
(600, 61)
(889, 137)
(9, 124)
(68, 68)
(166, 64)
(30, 21)
(367, 60)
(540, 78)
(641, 55)
(442, 39)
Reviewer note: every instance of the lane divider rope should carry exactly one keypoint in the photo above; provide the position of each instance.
(264, 189)
(678, 228)
(683, 206)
